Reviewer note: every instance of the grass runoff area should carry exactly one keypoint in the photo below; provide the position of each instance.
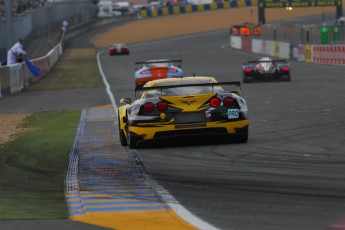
(76, 68)
(33, 166)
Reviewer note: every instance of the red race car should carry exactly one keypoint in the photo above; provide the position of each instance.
(118, 49)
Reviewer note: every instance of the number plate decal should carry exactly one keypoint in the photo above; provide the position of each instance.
(233, 113)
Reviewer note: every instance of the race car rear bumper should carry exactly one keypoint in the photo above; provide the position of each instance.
(197, 129)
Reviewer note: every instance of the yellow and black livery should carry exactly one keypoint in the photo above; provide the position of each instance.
(189, 106)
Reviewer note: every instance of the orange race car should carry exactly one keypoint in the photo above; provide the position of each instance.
(157, 69)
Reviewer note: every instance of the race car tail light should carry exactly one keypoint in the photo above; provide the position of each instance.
(162, 106)
(145, 71)
(286, 69)
(215, 102)
(247, 70)
(173, 70)
(148, 107)
(228, 101)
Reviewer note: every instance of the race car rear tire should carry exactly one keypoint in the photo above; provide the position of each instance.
(285, 77)
(132, 141)
(247, 79)
(243, 135)
(122, 137)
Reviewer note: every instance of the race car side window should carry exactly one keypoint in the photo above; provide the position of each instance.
(151, 94)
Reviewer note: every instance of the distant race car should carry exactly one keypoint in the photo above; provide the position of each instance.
(157, 69)
(118, 49)
(183, 107)
(266, 69)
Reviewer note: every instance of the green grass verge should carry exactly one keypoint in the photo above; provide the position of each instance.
(76, 68)
(33, 167)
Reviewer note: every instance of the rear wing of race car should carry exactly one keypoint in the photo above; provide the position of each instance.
(179, 61)
(284, 61)
(237, 89)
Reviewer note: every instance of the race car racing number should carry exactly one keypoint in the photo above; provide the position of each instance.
(233, 113)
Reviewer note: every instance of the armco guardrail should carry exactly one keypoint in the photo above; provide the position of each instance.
(318, 54)
(172, 10)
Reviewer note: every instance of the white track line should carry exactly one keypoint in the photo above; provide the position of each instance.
(171, 201)
(107, 86)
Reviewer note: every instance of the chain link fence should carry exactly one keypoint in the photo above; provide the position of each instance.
(44, 20)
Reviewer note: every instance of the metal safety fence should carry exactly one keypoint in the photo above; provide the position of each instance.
(312, 34)
(43, 21)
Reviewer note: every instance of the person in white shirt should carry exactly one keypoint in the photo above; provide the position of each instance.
(15, 52)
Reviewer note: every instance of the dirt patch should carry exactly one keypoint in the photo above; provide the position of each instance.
(182, 24)
(10, 127)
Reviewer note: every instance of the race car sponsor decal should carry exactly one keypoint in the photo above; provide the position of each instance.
(153, 123)
(162, 116)
(188, 102)
(233, 113)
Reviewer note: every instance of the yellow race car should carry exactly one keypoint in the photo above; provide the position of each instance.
(179, 107)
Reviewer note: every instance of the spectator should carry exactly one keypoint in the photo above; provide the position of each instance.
(16, 53)
(65, 25)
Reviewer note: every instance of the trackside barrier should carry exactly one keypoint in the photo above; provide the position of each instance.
(328, 54)
(259, 46)
(173, 10)
(318, 54)
(14, 78)
(236, 42)
(247, 44)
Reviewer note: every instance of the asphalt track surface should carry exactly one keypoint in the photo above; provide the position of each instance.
(290, 174)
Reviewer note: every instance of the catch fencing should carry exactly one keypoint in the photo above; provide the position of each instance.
(15, 77)
(43, 21)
